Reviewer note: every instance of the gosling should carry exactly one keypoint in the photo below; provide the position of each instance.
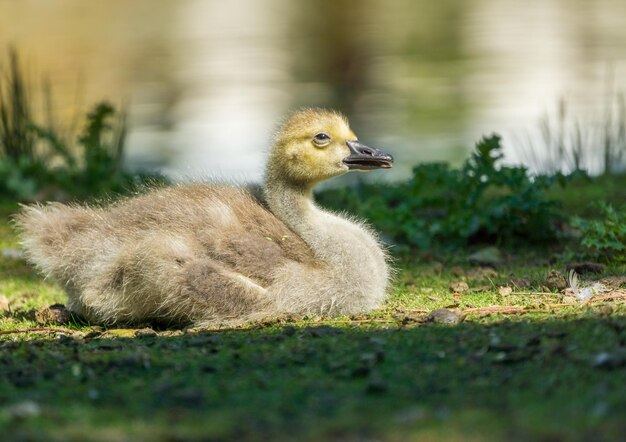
(215, 255)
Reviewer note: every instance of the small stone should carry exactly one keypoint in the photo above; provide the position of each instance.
(556, 281)
(145, 333)
(459, 287)
(505, 291)
(55, 314)
(445, 316)
(614, 281)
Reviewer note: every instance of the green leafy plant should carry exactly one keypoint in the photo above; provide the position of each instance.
(16, 138)
(37, 162)
(479, 202)
(604, 238)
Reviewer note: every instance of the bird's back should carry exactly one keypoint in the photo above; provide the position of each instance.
(226, 223)
(147, 236)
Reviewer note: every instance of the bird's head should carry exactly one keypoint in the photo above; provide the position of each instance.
(313, 145)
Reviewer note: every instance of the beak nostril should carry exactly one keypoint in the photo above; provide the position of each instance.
(367, 157)
(363, 157)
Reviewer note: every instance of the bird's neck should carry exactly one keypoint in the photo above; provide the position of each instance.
(293, 204)
(333, 240)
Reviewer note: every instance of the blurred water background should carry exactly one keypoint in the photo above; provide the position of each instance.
(204, 82)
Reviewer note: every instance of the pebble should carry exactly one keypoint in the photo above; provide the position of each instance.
(145, 332)
(459, 287)
(55, 314)
(556, 281)
(505, 291)
(445, 316)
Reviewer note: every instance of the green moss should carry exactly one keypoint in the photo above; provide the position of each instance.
(380, 376)
(521, 379)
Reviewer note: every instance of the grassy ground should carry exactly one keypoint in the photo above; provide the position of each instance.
(548, 368)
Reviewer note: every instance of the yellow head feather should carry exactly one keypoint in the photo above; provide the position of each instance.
(296, 158)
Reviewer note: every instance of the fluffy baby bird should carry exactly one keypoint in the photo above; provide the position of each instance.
(215, 255)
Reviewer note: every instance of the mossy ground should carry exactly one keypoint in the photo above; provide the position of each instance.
(551, 373)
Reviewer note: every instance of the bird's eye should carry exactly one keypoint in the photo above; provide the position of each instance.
(321, 139)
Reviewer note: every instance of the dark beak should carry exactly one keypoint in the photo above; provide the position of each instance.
(363, 157)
